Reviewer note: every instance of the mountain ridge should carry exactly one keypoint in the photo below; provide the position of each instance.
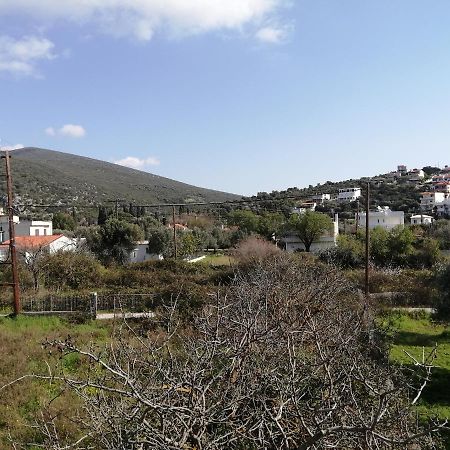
(50, 176)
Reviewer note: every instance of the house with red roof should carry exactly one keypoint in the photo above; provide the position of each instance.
(27, 246)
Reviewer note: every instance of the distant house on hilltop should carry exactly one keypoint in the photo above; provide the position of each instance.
(349, 194)
(416, 175)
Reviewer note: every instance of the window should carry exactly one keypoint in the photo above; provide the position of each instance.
(36, 232)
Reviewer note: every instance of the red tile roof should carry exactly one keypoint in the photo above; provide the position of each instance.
(34, 241)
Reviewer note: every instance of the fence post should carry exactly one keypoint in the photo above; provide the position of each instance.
(94, 303)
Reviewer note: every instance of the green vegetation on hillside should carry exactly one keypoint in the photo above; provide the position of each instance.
(51, 177)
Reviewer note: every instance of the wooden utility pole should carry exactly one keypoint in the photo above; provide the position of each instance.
(174, 232)
(367, 241)
(12, 235)
(357, 216)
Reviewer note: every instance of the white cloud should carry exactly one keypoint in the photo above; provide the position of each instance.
(142, 18)
(272, 35)
(11, 147)
(20, 56)
(69, 130)
(74, 131)
(50, 131)
(137, 163)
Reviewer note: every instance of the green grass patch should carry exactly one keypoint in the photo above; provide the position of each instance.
(417, 335)
(218, 260)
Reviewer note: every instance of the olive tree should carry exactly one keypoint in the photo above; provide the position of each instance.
(309, 226)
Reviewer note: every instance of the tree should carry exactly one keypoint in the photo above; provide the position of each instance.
(247, 221)
(309, 226)
(270, 224)
(160, 241)
(288, 358)
(63, 221)
(115, 240)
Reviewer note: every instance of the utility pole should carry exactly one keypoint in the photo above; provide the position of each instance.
(357, 216)
(367, 242)
(174, 232)
(12, 236)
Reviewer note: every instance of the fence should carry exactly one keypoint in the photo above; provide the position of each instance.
(89, 304)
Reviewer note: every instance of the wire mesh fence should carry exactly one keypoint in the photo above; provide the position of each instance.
(89, 304)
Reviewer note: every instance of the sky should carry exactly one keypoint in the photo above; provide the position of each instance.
(241, 96)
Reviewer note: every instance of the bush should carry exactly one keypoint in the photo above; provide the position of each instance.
(254, 249)
(71, 270)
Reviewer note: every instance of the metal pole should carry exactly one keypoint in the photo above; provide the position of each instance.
(367, 241)
(12, 235)
(174, 232)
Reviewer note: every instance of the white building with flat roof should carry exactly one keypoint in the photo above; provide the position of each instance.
(429, 200)
(321, 198)
(421, 219)
(25, 228)
(383, 217)
(349, 194)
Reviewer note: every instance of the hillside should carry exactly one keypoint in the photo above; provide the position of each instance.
(51, 177)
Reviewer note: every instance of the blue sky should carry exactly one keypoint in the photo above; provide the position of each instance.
(236, 95)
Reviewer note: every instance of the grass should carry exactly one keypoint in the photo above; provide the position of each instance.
(218, 260)
(21, 341)
(416, 334)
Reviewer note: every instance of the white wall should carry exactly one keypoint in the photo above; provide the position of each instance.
(140, 254)
(386, 219)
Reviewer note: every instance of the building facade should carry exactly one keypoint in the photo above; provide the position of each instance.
(383, 217)
(349, 194)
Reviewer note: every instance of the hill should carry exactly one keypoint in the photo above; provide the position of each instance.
(51, 177)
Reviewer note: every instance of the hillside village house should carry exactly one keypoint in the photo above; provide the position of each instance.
(291, 242)
(443, 208)
(429, 200)
(421, 219)
(443, 186)
(27, 246)
(383, 217)
(321, 198)
(416, 175)
(303, 207)
(349, 194)
(402, 169)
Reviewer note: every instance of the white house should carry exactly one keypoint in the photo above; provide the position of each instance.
(429, 200)
(416, 175)
(443, 208)
(292, 243)
(25, 228)
(349, 194)
(383, 217)
(141, 253)
(306, 206)
(421, 219)
(26, 246)
(321, 198)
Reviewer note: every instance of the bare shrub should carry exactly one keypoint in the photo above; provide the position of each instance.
(254, 249)
(288, 358)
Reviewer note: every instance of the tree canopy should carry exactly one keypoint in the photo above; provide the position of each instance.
(309, 226)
